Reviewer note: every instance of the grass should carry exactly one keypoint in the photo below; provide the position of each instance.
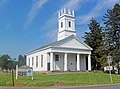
(59, 79)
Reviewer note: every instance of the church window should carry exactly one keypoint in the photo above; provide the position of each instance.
(32, 61)
(36, 61)
(61, 24)
(76, 58)
(56, 57)
(41, 60)
(69, 23)
(29, 62)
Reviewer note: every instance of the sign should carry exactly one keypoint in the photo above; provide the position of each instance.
(24, 71)
(13, 59)
(107, 68)
(109, 59)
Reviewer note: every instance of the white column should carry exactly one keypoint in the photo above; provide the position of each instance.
(51, 61)
(89, 62)
(65, 62)
(16, 71)
(78, 62)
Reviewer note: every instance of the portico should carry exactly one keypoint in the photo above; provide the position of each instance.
(70, 62)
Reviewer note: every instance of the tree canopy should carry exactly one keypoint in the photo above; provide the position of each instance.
(105, 40)
(112, 32)
(6, 63)
(94, 39)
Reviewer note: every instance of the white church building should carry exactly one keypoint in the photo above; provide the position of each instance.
(68, 53)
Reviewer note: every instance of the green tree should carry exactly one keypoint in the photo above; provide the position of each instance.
(4, 62)
(22, 60)
(94, 39)
(112, 32)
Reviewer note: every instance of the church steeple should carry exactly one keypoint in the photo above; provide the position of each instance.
(66, 23)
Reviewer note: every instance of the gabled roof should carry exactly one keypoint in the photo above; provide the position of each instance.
(69, 42)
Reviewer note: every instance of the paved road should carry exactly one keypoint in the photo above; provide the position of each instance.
(81, 87)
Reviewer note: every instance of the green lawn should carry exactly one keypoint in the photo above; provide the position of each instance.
(59, 79)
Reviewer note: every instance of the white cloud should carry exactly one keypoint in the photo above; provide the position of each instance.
(50, 28)
(3, 2)
(52, 35)
(97, 10)
(74, 4)
(37, 5)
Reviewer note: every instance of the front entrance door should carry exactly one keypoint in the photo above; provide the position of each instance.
(48, 66)
(71, 62)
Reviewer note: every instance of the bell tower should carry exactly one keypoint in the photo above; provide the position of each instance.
(66, 23)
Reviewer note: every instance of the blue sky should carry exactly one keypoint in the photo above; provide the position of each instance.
(28, 24)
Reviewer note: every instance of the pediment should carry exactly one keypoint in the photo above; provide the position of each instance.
(72, 42)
